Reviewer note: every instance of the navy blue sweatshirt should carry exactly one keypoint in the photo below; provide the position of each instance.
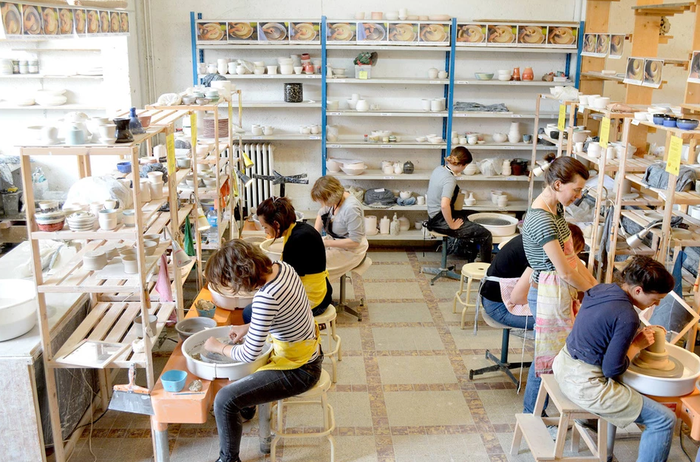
(604, 329)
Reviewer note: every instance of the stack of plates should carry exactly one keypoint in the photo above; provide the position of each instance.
(96, 70)
(81, 221)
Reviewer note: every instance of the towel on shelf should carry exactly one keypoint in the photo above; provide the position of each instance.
(470, 106)
(163, 285)
(656, 176)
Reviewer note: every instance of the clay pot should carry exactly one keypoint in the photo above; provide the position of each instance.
(528, 74)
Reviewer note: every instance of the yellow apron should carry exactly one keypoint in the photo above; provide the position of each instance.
(286, 356)
(586, 386)
(314, 284)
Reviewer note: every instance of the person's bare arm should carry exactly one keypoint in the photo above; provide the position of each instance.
(447, 214)
(318, 224)
(583, 271)
(341, 243)
(566, 272)
(519, 294)
(643, 339)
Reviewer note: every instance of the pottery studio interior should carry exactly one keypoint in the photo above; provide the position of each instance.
(314, 231)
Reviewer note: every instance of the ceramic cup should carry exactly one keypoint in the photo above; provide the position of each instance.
(388, 169)
(110, 204)
(579, 146)
(420, 200)
(155, 177)
(502, 201)
(267, 130)
(472, 139)
(463, 140)
(231, 67)
(425, 104)
(256, 130)
(107, 132)
(298, 70)
(272, 70)
(315, 129)
(442, 75)
(131, 266)
(156, 190)
(435, 105)
(107, 219)
(129, 217)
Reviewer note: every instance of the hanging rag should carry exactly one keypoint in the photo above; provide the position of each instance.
(554, 320)
(163, 285)
(677, 273)
(604, 242)
(188, 241)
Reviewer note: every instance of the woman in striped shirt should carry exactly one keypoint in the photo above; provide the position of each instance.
(557, 272)
(281, 309)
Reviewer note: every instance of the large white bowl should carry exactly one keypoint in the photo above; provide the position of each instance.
(18, 305)
(487, 220)
(211, 371)
(230, 301)
(350, 170)
(658, 386)
(272, 248)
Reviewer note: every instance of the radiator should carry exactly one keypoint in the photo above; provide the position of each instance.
(259, 190)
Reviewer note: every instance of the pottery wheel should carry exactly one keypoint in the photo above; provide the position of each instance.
(657, 365)
(198, 352)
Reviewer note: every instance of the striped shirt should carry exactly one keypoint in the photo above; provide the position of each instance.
(539, 228)
(280, 308)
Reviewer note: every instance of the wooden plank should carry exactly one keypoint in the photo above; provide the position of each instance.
(125, 321)
(107, 321)
(85, 327)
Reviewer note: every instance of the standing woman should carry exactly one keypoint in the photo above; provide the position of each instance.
(442, 194)
(303, 250)
(557, 271)
(342, 218)
(281, 309)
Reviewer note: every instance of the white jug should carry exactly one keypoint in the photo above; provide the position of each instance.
(384, 225)
(371, 225)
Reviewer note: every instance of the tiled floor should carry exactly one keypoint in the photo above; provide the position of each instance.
(403, 391)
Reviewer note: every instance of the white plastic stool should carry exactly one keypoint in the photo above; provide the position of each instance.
(472, 272)
(328, 318)
(318, 390)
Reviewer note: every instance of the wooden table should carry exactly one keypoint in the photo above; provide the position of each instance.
(193, 408)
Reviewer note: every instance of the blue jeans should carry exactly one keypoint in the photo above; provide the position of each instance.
(258, 388)
(659, 421)
(499, 312)
(532, 387)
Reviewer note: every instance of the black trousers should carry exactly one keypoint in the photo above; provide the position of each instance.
(472, 235)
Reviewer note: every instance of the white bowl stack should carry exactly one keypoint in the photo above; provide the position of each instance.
(81, 221)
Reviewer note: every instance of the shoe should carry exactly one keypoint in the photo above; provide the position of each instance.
(553, 429)
(248, 413)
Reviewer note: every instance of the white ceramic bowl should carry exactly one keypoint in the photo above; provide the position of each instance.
(580, 136)
(499, 137)
(405, 194)
(504, 77)
(435, 140)
(505, 226)
(272, 248)
(18, 307)
(601, 102)
(350, 170)
(228, 301)
(641, 115)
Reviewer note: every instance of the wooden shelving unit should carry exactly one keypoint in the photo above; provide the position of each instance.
(107, 320)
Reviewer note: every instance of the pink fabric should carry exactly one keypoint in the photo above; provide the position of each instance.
(507, 285)
(163, 285)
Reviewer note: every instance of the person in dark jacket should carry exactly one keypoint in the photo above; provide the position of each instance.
(604, 340)
(303, 250)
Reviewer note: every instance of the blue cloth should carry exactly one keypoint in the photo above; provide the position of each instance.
(659, 422)
(499, 312)
(678, 274)
(604, 329)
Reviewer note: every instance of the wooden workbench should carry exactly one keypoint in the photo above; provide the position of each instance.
(170, 408)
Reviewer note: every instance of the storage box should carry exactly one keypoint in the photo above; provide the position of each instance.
(363, 71)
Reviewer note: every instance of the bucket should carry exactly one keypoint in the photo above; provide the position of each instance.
(10, 202)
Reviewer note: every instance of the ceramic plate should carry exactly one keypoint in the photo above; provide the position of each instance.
(31, 20)
(11, 19)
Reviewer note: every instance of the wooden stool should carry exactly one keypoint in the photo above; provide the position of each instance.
(443, 271)
(318, 391)
(328, 318)
(471, 271)
(349, 307)
(534, 428)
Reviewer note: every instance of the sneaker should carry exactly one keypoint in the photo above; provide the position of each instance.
(553, 429)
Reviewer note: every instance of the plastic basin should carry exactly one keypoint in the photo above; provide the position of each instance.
(18, 305)
(173, 380)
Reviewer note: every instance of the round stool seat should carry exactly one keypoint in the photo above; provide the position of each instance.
(436, 234)
(323, 385)
(327, 316)
(475, 270)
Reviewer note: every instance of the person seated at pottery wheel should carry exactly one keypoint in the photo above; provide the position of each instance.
(303, 250)
(444, 219)
(509, 264)
(281, 309)
(604, 341)
(342, 219)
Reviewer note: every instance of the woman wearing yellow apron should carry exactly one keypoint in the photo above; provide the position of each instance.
(303, 250)
(603, 342)
(557, 273)
(280, 309)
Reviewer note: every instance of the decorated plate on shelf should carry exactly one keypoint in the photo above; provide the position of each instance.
(65, 21)
(31, 20)
(80, 19)
(11, 19)
(93, 22)
(50, 20)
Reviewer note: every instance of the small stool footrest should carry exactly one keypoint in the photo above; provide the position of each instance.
(537, 437)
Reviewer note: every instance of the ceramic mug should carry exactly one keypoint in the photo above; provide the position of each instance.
(425, 104)
(107, 219)
(130, 263)
(435, 105)
(472, 139)
(420, 200)
(442, 75)
(463, 140)
(388, 169)
(256, 130)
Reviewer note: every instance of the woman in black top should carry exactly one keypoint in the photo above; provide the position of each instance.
(303, 250)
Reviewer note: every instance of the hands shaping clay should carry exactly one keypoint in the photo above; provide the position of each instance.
(655, 361)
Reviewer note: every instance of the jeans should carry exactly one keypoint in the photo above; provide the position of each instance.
(258, 388)
(499, 312)
(532, 387)
(659, 421)
(473, 234)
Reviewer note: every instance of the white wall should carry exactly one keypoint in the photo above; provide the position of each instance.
(173, 72)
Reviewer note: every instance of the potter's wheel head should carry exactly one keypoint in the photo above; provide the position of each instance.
(675, 372)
